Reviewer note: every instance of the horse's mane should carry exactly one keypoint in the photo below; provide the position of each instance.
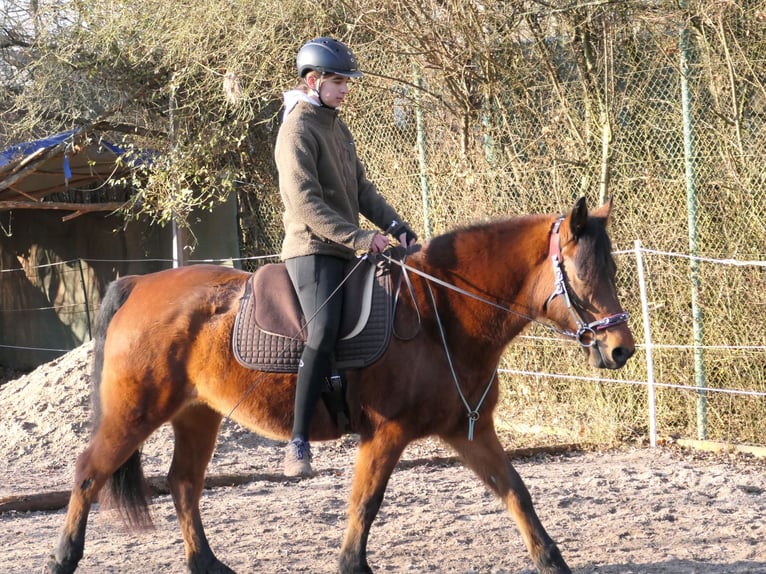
(593, 258)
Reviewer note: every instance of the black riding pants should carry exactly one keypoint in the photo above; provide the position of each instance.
(315, 278)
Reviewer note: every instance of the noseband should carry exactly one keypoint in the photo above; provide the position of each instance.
(586, 332)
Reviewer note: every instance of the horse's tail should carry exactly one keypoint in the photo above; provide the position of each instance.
(126, 489)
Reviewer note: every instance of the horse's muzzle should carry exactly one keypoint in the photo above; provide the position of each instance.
(602, 356)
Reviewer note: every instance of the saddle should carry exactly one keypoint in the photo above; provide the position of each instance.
(270, 329)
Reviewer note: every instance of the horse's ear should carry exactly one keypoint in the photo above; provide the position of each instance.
(603, 211)
(578, 218)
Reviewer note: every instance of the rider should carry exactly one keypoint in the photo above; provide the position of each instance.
(324, 189)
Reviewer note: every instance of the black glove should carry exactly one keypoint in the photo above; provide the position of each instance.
(410, 235)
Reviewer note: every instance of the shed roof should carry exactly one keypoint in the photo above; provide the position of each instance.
(32, 171)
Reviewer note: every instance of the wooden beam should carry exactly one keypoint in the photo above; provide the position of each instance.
(30, 163)
(77, 208)
(55, 500)
(720, 446)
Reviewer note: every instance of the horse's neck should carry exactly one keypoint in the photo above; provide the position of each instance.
(501, 265)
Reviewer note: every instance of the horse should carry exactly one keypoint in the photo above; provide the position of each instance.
(163, 352)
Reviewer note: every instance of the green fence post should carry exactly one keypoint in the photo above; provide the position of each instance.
(687, 58)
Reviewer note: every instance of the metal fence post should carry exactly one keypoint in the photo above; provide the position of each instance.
(85, 298)
(424, 189)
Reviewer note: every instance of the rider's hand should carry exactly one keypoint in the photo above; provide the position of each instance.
(379, 243)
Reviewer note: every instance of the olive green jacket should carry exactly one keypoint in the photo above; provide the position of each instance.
(324, 187)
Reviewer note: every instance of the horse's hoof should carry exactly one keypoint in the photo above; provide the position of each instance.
(552, 562)
(213, 566)
(53, 567)
(355, 569)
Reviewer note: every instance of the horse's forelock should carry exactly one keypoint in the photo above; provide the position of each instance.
(594, 254)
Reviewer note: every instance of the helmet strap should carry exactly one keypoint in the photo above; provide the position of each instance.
(318, 83)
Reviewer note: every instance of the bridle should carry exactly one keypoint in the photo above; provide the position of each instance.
(586, 332)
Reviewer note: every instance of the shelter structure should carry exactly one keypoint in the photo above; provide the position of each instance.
(31, 172)
(63, 239)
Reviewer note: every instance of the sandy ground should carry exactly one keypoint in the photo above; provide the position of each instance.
(632, 510)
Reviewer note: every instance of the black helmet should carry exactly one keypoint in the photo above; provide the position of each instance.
(327, 56)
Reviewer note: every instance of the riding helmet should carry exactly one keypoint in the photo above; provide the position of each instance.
(327, 56)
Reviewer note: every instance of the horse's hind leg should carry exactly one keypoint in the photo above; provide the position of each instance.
(196, 431)
(112, 449)
(485, 456)
(71, 545)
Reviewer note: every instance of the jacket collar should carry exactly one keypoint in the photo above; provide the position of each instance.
(325, 116)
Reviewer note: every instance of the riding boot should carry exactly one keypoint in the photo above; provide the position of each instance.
(314, 368)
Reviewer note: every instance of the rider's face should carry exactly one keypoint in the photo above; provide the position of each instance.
(333, 89)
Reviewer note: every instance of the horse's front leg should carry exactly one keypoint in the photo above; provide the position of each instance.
(375, 462)
(486, 457)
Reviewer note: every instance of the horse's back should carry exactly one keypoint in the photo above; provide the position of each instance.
(196, 288)
(191, 277)
(170, 315)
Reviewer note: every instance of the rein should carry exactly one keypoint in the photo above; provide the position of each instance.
(433, 279)
(585, 334)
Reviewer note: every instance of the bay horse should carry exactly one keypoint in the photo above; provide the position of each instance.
(163, 352)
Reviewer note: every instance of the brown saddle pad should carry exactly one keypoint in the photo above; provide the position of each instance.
(269, 330)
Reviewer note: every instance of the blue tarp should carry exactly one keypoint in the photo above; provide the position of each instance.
(18, 151)
(31, 171)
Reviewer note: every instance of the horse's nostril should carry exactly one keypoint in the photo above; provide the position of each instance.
(620, 355)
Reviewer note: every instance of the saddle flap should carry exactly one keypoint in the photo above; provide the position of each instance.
(277, 309)
(357, 301)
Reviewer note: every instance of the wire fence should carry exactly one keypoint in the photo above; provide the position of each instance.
(548, 393)
(624, 103)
